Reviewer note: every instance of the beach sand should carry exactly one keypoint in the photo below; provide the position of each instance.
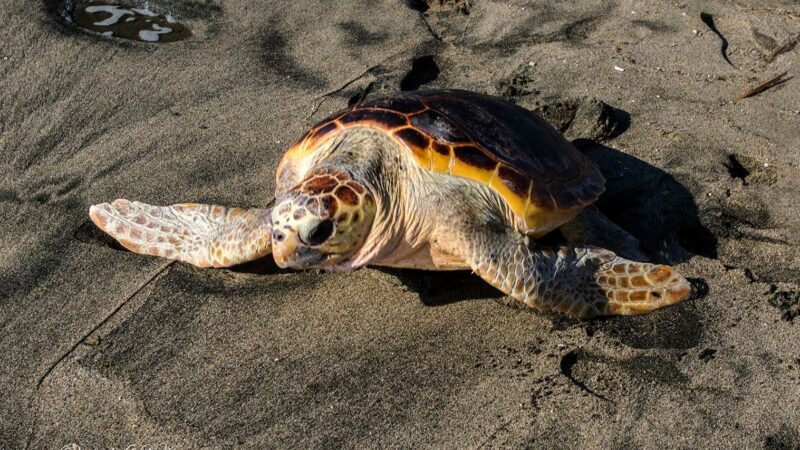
(103, 348)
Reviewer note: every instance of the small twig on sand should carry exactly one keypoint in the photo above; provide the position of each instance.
(322, 97)
(772, 82)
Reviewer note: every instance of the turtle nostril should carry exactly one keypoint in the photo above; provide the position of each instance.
(277, 236)
(320, 233)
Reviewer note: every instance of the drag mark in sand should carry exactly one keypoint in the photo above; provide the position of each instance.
(104, 321)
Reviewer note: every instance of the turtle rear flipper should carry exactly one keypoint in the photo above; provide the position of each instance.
(592, 228)
(201, 235)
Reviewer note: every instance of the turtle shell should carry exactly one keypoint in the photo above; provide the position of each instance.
(544, 179)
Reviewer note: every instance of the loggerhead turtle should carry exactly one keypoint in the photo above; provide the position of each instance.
(436, 180)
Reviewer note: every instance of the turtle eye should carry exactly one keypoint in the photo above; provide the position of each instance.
(320, 233)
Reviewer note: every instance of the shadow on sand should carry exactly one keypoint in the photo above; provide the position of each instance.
(651, 205)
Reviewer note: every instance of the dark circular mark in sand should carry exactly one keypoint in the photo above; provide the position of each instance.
(787, 302)
(423, 70)
(566, 364)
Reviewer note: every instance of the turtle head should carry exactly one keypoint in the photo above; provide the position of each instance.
(321, 222)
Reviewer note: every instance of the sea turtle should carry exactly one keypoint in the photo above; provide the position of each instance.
(437, 180)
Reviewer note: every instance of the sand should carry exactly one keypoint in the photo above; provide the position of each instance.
(103, 348)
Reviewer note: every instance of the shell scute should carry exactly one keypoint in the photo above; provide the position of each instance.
(403, 105)
(441, 149)
(412, 136)
(417, 142)
(515, 181)
(324, 130)
(475, 157)
(382, 117)
(435, 124)
(540, 191)
(558, 193)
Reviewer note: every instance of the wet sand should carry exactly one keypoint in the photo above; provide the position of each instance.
(100, 347)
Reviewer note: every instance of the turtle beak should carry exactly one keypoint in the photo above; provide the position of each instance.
(288, 254)
(307, 257)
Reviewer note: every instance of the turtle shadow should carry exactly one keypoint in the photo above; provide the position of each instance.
(261, 266)
(88, 233)
(445, 287)
(650, 204)
(434, 288)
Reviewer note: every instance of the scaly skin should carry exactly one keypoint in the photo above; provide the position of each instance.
(404, 216)
(581, 281)
(201, 235)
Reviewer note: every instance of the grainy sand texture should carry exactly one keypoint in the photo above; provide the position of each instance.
(103, 348)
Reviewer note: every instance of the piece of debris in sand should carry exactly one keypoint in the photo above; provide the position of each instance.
(709, 21)
(761, 87)
(136, 24)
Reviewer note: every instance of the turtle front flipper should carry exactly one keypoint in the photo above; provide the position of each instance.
(201, 235)
(581, 281)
